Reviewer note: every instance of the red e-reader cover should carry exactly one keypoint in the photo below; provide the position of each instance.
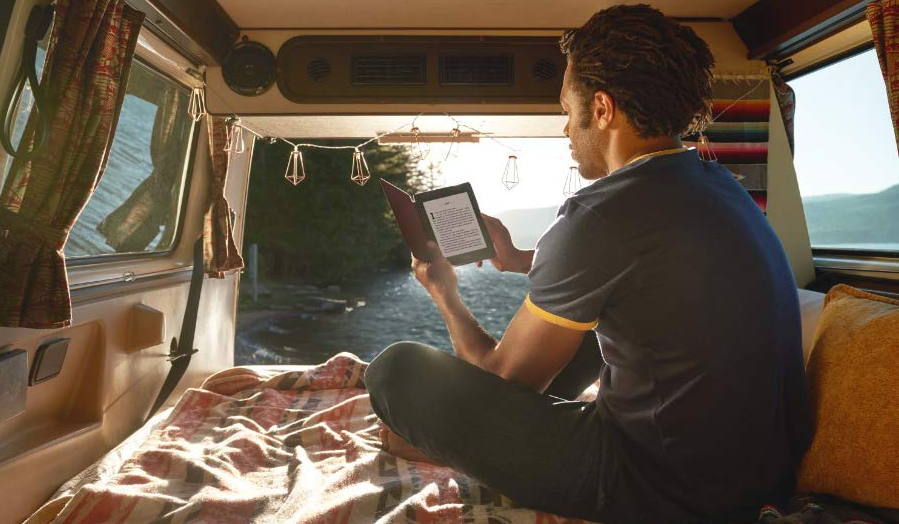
(406, 216)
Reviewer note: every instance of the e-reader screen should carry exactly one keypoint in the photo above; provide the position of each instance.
(455, 221)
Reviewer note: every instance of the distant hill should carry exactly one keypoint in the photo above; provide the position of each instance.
(526, 225)
(858, 219)
(870, 219)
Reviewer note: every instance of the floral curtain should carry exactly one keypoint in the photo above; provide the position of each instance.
(133, 225)
(220, 254)
(88, 62)
(884, 19)
(786, 100)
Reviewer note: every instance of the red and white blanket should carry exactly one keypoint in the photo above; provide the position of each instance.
(262, 446)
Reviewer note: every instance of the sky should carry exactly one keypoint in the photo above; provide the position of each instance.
(543, 166)
(844, 139)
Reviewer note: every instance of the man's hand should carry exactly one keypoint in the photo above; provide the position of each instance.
(508, 257)
(437, 276)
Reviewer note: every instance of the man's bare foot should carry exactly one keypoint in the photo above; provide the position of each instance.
(398, 447)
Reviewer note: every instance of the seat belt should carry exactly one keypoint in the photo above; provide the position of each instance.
(182, 347)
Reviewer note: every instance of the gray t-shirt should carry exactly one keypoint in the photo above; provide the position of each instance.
(692, 298)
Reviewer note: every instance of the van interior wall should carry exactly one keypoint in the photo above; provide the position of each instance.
(116, 359)
(109, 380)
(785, 212)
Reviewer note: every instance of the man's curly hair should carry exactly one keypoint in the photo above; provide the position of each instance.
(657, 71)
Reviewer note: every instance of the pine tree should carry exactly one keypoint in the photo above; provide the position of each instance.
(326, 228)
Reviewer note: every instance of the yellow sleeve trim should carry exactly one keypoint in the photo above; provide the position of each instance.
(556, 319)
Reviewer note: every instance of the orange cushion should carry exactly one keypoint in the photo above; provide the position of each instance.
(853, 377)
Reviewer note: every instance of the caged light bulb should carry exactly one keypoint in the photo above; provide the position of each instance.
(360, 173)
(420, 149)
(296, 169)
(705, 149)
(510, 175)
(234, 142)
(452, 150)
(196, 107)
(572, 182)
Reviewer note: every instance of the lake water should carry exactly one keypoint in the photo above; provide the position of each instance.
(397, 308)
(128, 165)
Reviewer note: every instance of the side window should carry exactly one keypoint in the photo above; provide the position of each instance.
(845, 157)
(136, 206)
(25, 103)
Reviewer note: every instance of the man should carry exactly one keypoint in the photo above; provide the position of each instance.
(702, 414)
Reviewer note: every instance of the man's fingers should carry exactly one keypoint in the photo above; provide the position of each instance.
(498, 232)
(434, 252)
(489, 221)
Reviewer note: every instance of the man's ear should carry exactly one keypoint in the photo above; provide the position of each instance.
(603, 109)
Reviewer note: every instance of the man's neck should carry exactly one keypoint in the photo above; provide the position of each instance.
(629, 150)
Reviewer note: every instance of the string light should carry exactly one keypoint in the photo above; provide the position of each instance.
(705, 149)
(421, 150)
(360, 173)
(572, 182)
(510, 175)
(196, 108)
(296, 169)
(234, 143)
(452, 151)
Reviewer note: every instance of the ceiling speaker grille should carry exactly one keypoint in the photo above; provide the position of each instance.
(318, 69)
(544, 70)
(476, 70)
(389, 70)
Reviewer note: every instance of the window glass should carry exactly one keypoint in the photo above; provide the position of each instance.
(137, 203)
(845, 156)
(25, 103)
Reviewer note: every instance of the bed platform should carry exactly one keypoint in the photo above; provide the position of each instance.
(299, 444)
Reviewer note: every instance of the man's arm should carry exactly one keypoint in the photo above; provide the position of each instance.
(532, 351)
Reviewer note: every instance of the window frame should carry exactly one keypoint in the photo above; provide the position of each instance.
(829, 61)
(885, 263)
(185, 193)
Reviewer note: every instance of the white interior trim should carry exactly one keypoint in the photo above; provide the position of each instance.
(497, 14)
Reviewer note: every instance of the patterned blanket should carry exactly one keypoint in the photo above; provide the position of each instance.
(278, 447)
(266, 446)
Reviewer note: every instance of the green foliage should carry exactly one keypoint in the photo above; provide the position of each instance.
(327, 227)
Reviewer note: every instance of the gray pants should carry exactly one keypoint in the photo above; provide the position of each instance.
(540, 450)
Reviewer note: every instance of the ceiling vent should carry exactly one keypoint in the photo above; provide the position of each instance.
(420, 69)
(476, 70)
(544, 70)
(318, 69)
(373, 70)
